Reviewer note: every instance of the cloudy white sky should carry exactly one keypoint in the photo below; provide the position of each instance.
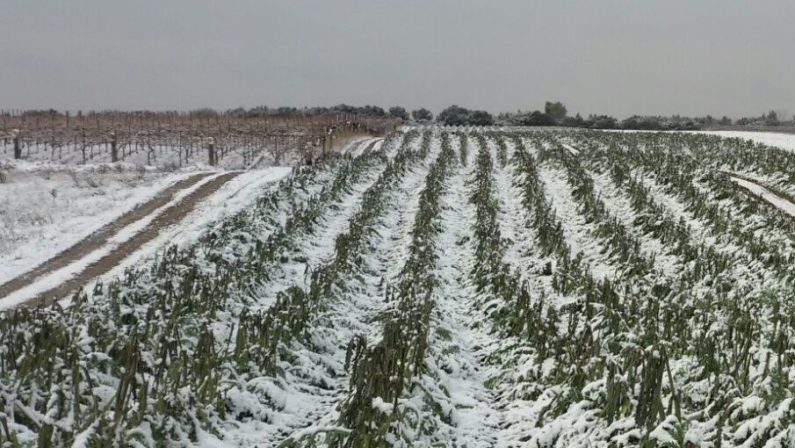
(617, 57)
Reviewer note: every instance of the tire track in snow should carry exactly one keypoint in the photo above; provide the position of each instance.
(99, 238)
(170, 216)
(760, 191)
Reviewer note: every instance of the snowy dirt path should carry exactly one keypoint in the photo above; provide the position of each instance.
(45, 211)
(114, 248)
(232, 198)
(100, 236)
(758, 190)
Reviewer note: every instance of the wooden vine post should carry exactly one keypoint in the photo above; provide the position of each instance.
(17, 144)
(114, 147)
(211, 151)
(328, 141)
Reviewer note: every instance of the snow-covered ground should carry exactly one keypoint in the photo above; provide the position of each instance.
(774, 199)
(577, 230)
(44, 211)
(359, 313)
(359, 145)
(778, 139)
(458, 336)
(48, 206)
(86, 215)
(620, 206)
(230, 199)
(781, 140)
(353, 146)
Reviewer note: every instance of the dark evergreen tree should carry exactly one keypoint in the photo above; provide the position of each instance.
(422, 115)
(454, 116)
(556, 111)
(399, 112)
(538, 118)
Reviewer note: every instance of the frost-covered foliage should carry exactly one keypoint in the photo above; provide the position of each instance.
(461, 287)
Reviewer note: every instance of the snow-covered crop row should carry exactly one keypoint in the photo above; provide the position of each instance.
(456, 287)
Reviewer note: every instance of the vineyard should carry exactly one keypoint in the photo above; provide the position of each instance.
(172, 140)
(461, 287)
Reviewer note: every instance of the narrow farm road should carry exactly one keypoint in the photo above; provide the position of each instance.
(369, 148)
(99, 238)
(759, 190)
(356, 147)
(154, 215)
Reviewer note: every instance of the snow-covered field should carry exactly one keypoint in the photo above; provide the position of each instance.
(44, 210)
(777, 139)
(477, 287)
(780, 140)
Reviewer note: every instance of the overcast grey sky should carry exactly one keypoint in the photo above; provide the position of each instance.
(616, 57)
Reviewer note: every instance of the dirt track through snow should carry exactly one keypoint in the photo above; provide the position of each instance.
(758, 189)
(158, 209)
(99, 238)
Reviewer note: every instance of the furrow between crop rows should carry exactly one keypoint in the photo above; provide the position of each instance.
(362, 260)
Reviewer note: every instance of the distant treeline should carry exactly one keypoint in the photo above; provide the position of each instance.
(418, 115)
(259, 111)
(554, 114)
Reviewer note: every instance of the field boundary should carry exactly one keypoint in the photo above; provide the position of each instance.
(166, 209)
(767, 194)
(170, 216)
(99, 237)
